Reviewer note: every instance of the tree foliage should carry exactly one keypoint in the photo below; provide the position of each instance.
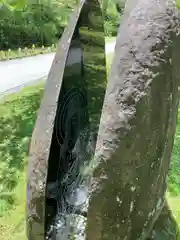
(22, 25)
(178, 4)
(41, 22)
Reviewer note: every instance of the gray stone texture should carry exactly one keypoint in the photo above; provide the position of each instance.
(137, 126)
(42, 136)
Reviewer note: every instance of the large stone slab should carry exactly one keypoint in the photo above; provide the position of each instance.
(137, 125)
(66, 129)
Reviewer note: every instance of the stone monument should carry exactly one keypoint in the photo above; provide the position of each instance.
(65, 134)
(100, 152)
(137, 127)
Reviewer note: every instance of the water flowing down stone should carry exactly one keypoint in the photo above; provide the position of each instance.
(64, 138)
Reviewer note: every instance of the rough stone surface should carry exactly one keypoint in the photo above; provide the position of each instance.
(137, 125)
(165, 227)
(66, 129)
(42, 135)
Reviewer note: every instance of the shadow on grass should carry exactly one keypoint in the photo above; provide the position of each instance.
(17, 118)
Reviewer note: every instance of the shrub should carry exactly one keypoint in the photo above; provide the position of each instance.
(17, 118)
(38, 24)
(112, 19)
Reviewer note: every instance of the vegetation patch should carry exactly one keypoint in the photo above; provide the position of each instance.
(17, 118)
(26, 52)
(174, 175)
(24, 23)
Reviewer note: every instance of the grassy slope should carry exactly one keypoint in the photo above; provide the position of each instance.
(110, 39)
(17, 118)
(27, 52)
(174, 176)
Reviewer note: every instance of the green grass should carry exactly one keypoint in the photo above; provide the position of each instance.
(174, 176)
(26, 52)
(110, 39)
(17, 117)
